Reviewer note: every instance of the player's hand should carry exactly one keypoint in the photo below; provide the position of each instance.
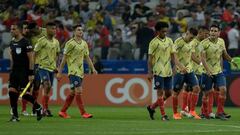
(183, 70)
(209, 73)
(150, 76)
(94, 71)
(31, 78)
(235, 64)
(59, 76)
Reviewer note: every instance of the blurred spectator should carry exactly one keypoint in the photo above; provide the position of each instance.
(141, 10)
(98, 64)
(104, 39)
(194, 22)
(126, 16)
(92, 38)
(36, 15)
(143, 37)
(233, 38)
(228, 13)
(182, 22)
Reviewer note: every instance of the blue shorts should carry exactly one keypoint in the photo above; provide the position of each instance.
(46, 75)
(179, 79)
(164, 83)
(217, 80)
(36, 74)
(199, 78)
(75, 81)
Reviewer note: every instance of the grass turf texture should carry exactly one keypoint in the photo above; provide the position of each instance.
(117, 121)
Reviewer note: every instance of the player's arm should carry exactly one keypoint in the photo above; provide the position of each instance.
(150, 67)
(31, 62)
(203, 59)
(195, 59)
(90, 64)
(227, 57)
(177, 63)
(61, 66)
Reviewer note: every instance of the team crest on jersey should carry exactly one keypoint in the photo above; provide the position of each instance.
(76, 82)
(18, 50)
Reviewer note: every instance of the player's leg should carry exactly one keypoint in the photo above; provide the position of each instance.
(78, 89)
(70, 97)
(28, 97)
(193, 81)
(36, 87)
(185, 102)
(178, 82)
(220, 82)
(46, 82)
(14, 94)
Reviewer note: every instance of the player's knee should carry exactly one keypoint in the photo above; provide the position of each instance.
(222, 91)
(196, 89)
(160, 93)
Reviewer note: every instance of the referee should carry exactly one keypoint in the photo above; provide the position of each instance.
(21, 71)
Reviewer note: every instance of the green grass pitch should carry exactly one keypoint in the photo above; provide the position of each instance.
(117, 121)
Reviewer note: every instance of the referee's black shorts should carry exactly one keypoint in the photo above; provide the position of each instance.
(18, 79)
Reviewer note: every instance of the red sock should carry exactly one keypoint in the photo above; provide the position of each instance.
(185, 100)
(45, 99)
(67, 103)
(194, 101)
(189, 98)
(204, 108)
(35, 94)
(175, 104)
(24, 105)
(154, 105)
(210, 101)
(216, 94)
(161, 105)
(220, 105)
(80, 103)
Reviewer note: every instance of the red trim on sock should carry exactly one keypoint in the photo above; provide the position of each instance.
(161, 105)
(24, 104)
(185, 100)
(194, 101)
(175, 104)
(189, 98)
(154, 105)
(67, 103)
(210, 101)
(80, 103)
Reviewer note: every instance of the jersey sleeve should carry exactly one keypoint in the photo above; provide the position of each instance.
(86, 51)
(28, 46)
(173, 48)
(38, 45)
(152, 47)
(67, 49)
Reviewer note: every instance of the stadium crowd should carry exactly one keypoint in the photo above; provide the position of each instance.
(121, 29)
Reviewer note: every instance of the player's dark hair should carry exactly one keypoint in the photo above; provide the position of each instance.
(215, 26)
(160, 25)
(75, 26)
(32, 25)
(193, 31)
(202, 27)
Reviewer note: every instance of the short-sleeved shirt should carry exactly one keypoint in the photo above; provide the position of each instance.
(213, 51)
(75, 52)
(197, 68)
(19, 50)
(35, 38)
(184, 53)
(161, 50)
(47, 52)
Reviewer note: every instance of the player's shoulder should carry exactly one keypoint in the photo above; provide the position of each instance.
(220, 40)
(154, 40)
(69, 42)
(42, 39)
(206, 40)
(178, 40)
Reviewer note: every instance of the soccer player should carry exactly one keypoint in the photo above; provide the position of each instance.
(46, 50)
(161, 52)
(184, 53)
(75, 51)
(21, 71)
(197, 68)
(213, 50)
(32, 32)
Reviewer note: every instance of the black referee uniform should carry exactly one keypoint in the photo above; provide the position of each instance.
(19, 76)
